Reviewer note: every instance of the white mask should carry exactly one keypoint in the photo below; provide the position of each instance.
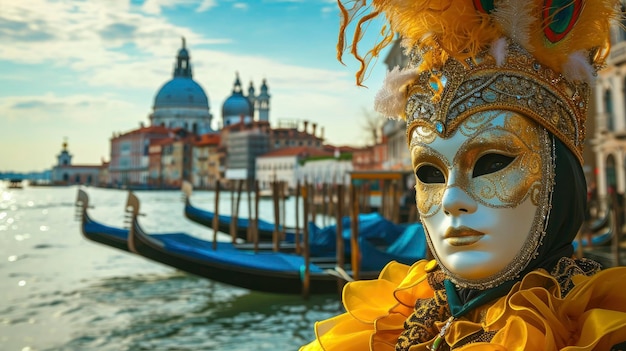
(483, 194)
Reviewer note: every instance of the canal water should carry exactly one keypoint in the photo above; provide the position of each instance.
(59, 291)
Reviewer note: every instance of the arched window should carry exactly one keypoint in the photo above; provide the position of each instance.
(608, 105)
(609, 169)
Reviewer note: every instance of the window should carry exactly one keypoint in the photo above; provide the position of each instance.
(608, 105)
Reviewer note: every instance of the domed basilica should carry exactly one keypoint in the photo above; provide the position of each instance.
(182, 103)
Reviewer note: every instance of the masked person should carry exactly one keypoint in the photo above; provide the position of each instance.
(495, 99)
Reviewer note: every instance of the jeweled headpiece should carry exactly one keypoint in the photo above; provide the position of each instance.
(534, 57)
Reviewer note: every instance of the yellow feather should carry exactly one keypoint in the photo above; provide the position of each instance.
(454, 28)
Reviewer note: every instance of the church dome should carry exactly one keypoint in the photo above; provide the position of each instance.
(237, 104)
(181, 92)
(181, 102)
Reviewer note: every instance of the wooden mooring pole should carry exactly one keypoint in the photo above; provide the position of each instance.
(216, 213)
(306, 280)
(255, 227)
(275, 199)
(354, 237)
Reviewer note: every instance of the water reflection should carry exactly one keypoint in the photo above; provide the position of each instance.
(182, 312)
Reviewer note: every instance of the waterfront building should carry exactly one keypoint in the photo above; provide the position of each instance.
(208, 159)
(155, 150)
(394, 131)
(170, 159)
(130, 155)
(284, 165)
(370, 157)
(609, 137)
(287, 134)
(331, 169)
(176, 158)
(66, 173)
(244, 143)
(181, 102)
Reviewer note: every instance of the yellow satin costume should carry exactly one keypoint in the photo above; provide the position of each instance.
(532, 316)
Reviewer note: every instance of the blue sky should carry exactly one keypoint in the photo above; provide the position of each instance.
(83, 70)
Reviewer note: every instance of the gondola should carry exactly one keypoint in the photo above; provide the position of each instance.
(204, 217)
(601, 230)
(118, 237)
(94, 231)
(273, 272)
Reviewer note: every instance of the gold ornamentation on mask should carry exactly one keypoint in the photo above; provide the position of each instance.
(520, 85)
(516, 139)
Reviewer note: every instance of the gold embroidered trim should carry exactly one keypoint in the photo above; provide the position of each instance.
(520, 85)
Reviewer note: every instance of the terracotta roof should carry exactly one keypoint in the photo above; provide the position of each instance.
(207, 139)
(149, 129)
(246, 126)
(297, 151)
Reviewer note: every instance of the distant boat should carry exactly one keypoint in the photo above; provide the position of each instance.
(16, 184)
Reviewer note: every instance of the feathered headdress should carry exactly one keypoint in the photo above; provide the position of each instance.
(535, 57)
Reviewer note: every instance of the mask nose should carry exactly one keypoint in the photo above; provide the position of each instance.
(456, 202)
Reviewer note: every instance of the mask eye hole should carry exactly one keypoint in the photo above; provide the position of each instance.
(430, 174)
(491, 163)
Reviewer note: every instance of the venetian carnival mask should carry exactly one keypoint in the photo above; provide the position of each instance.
(483, 194)
(489, 90)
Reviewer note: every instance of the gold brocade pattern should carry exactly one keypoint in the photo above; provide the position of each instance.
(521, 85)
(566, 268)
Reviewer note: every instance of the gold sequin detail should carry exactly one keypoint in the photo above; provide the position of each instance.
(521, 84)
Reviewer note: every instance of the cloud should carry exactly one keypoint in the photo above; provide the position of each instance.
(116, 31)
(114, 49)
(51, 107)
(240, 6)
(155, 7)
(206, 5)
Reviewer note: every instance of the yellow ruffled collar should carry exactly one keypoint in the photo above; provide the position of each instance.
(542, 312)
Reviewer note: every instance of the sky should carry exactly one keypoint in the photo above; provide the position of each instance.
(83, 70)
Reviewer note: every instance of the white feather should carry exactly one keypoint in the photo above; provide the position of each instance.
(515, 18)
(390, 99)
(499, 50)
(578, 68)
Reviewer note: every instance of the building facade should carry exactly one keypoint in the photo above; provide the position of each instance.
(206, 159)
(285, 165)
(609, 136)
(66, 173)
(130, 155)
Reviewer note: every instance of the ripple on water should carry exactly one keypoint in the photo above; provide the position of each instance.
(182, 312)
(80, 296)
